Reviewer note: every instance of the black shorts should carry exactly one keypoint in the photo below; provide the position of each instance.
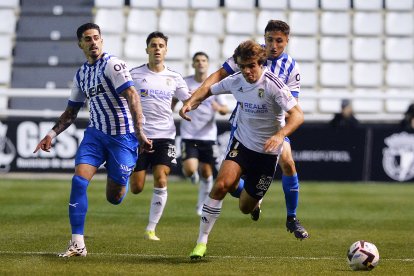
(164, 153)
(202, 150)
(258, 169)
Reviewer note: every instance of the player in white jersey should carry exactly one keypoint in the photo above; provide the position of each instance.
(263, 100)
(115, 123)
(157, 85)
(287, 69)
(199, 136)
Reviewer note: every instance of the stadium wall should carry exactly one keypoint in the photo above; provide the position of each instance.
(371, 152)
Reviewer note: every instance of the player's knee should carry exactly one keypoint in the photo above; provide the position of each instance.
(136, 189)
(115, 199)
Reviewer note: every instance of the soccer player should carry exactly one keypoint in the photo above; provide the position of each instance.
(200, 135)
(157, 85)
(263, 100)
(287, 69)
(115, 123)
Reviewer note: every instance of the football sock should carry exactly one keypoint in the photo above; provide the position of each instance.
(211, 212)
(291, 189)
(78, 204)
(204, 189)
(78, 239)
(158, 201)
(239, 189)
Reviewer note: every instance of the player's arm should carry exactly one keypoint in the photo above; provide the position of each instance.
(134, 104)
(202, 92)
(64, 121)
(296, 118)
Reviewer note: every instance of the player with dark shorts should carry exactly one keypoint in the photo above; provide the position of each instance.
(163, 153)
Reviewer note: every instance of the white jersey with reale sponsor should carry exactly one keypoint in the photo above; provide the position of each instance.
(101, 83)
(203, 119)
(284, 67)
(156, 91)
(262, 107)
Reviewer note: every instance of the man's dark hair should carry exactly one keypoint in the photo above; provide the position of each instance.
(157, 34)
(200, 54)
(277, 26)
(85, 27)
(250, 49)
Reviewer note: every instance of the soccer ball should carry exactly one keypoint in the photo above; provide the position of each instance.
(363, 255)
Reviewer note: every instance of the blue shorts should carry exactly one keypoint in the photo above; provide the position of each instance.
(118, 151)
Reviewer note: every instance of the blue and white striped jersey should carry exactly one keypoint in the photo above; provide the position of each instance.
(101, 83)
(284, 67)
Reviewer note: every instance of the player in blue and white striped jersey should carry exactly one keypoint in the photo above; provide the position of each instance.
(112, 136)
(287, 69)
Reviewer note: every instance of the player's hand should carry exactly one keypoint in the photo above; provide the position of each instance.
(145, 144)
(184, 109)
(45, 144)
(274, 142)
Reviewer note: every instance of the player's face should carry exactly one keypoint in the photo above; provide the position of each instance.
(91, 44)
(276, 43)
(157, 50)
(200, 64)
(250, 69)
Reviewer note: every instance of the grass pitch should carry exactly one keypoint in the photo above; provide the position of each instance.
(34, 227)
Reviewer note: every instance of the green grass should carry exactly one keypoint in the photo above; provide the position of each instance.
(34, 227)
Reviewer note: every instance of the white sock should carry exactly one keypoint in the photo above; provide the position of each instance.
(203, 190)
(78, 239)
(211, 212)
(158, 201)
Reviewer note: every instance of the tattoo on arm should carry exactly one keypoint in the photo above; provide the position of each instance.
(66, 119)
(134, 104)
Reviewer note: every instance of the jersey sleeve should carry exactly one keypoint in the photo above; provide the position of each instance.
(77, 97)
(117, 71)
(230, 66)
(282, 95)
(222, 87)
(293, 81)
(182, 92)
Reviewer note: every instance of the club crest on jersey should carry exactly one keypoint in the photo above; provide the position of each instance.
(144, 92)
(260, 93)
(168, 81)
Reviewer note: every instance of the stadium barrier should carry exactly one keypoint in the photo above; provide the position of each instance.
(367, 153)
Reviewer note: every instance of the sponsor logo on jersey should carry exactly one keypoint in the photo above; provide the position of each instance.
(143, 92)
(398, 157)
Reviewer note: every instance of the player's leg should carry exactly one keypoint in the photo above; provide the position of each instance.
(158, 201)
(206, 184)
(290, 183)
(228, 174)
(89, 156)
(189, 157)
(207, 159)
(164, 157)
(122, 156)
(138, 176)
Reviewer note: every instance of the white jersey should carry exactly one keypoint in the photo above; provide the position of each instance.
(262, 107)
(156, 91)
(203, 119)
(284, 67)
(101, 83)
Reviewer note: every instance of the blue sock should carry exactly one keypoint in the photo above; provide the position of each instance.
(291, 188)
(239, 189)
(78, 204)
